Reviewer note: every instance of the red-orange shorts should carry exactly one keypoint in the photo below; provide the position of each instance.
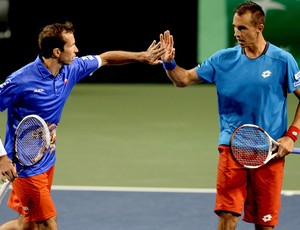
(31, 197)
(254, 191)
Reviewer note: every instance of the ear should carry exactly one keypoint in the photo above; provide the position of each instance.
(56, 52)
(260, 27)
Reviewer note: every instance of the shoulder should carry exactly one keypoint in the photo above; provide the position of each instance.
(28, 70)
(278, 53)
(227, 53)
(87, 59)
(85, 62)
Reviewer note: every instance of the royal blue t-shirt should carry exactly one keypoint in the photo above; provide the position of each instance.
(34, 90)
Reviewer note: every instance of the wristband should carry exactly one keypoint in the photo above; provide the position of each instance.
(293, 133)
(169, 65)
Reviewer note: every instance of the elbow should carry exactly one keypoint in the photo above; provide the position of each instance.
(179, 84)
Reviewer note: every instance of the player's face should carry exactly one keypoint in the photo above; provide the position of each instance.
(67, 56)
(245, 32)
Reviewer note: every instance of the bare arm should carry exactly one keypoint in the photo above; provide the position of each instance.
(178, 75)
(118, 57)
(286, 142)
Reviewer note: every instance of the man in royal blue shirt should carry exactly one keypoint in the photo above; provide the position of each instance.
(42, 87)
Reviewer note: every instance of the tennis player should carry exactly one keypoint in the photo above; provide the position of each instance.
(252, 81)
(42, 87)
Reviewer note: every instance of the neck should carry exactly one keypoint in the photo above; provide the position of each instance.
(52, 65)
(256, 49)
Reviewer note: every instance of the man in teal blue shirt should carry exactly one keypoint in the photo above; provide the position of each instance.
(252, 82)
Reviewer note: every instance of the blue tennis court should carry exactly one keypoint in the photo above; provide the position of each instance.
(109, 208)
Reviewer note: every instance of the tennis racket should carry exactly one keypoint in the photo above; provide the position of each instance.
(32, 139)
(253, 147)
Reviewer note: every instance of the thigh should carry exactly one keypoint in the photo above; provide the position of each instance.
(32, 197)
(264, 194)
(231, 183)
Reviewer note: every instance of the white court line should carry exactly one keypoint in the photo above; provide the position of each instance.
(151, 189)
(132, 189)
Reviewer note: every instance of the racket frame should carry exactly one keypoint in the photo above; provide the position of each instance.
(46, 136)
(6, 185)
(271, 141)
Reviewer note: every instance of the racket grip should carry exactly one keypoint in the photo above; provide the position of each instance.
(4, 189)
(296, 150)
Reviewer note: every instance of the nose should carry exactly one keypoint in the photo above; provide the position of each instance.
(236, 32)
(76, 49)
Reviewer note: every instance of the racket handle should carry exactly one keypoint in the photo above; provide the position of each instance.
(4, 189)
(296, 151)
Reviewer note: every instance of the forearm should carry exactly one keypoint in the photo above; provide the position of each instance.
(296, 121)
(177, 76)
(122, 57)
(182, 77)
(287, 142)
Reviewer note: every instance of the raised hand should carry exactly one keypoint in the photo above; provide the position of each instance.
(167, 41)
(154, 52)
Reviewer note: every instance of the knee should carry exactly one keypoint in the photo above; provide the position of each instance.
(227, 220)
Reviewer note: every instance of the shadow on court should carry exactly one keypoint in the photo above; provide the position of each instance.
(146, 210)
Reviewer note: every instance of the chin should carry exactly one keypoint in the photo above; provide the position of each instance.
(242, 44)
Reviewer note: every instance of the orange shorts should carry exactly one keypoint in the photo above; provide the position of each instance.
(255, 191)
(31, 197)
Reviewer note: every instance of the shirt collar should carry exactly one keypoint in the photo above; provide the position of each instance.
(42, 68)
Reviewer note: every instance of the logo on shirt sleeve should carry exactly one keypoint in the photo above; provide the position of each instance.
(2, 86)
(297, 75)
(89, 57)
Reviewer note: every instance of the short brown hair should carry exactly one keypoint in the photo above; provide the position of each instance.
(258, 15)
(51, 37)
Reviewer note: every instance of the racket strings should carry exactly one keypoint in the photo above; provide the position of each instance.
(30, 140)
(250, 146)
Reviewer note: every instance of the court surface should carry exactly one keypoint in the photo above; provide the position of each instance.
(144, 157)
(107, 208)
